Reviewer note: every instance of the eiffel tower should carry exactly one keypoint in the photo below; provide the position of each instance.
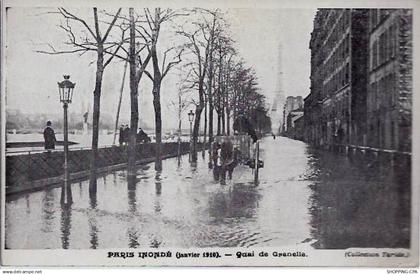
(279, 98)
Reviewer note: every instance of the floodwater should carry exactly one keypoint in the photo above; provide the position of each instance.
(305, 197)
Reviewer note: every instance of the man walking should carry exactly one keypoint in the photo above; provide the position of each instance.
(49, 137)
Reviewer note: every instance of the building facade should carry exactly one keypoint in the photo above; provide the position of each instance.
(334, 109)
(292, 103)
(294, 123)
(360, 78)
(389, 98)
(298, 129)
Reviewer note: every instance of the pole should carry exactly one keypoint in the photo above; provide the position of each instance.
(66, 196)
(190, 140)
(256, 160)
(119, 103)
(179, 124)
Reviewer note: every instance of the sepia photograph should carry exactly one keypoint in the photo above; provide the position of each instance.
(208, 134)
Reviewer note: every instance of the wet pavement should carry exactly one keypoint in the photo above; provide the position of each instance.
(305, 197)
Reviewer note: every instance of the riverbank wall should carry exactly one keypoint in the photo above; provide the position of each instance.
(35, 171)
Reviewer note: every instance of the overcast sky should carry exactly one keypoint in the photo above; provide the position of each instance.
(31, 81)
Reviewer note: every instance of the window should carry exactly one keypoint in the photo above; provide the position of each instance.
(389, 90)
(386, 46)
(347, 16)
(375, 55)
(381, 49)
(375, 94)
(392, 135)
(346, 45)
(394, 39)
(383, 13)
(374, 17)
(393, 89)
(347, 73)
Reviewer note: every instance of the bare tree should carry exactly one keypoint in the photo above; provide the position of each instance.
(224, 53)
(91, 39)
(180, 106)
(160, 70)
(137, 68)
(138, 62)
(229, 91)
(200, 44)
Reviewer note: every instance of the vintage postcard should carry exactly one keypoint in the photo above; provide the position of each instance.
(230, 133)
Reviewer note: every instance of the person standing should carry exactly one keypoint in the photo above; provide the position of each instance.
(227, 160)
(217, 161)
(126, 135)
(121, 135)
(49, 137)
(142, 136)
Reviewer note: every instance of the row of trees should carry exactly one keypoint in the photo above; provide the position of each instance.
(225, 87)
(215, 77)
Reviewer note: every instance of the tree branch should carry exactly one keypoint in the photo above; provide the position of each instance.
(111, 25)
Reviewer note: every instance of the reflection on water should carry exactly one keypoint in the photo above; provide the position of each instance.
(65, 226)
(93, 227)
(359, 202)
(305, 197)
(240, 200)
(48, 209)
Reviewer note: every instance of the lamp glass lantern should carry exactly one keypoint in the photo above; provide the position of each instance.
(65, 89)
(191, 116)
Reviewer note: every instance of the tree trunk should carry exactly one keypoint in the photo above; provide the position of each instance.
(223, 121)
(219, 123)
(199, 108)
(219, 105)
(158, 124)
(196, 129)
(210, 100)
(205, 128)
(179, 125)
(134, 118)
(157, 80)
(95, 122)
(211, 109)
(227, 120)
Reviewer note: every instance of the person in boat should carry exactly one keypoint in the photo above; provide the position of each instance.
(142, 137)
(49, 137)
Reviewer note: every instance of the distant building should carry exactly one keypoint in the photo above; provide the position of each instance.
(292, 104)
(389, 99)
(294, 124)
(299, 128)
(293, 116)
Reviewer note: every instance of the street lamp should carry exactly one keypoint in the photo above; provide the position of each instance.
(191, 119)
(65, 90)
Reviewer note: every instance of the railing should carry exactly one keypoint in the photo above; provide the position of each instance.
(364, 149)
(27, 167)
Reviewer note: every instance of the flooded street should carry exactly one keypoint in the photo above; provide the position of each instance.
(305, 197)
